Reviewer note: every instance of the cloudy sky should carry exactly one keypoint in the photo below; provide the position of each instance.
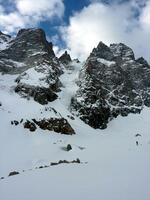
(78, 25)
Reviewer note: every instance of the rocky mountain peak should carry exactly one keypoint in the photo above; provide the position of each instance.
(121, 50)
(115, 51)
(27, 49)
(111, 83)
(35, 37)
(33, 40)
(32, 57)
(65, 58)
(142, 61)
(102, 51)
(38, 31)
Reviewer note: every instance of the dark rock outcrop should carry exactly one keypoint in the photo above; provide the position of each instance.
(59, 125)
(65, 162)
(14, 122)
(40, 94)
(111, 83)
(142, 61)
(65, 58)
(69, 147)
(13, 173)
(30, 125)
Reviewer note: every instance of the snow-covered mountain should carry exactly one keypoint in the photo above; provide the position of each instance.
(52, 111)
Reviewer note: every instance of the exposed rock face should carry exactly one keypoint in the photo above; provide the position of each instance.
(40, 94)
(111, 83)
(59, 125)
(28, 49)
(32, 56)
(142, 61)
(65, 58)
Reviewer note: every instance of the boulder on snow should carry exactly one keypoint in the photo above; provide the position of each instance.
(14, 122)
(69, 147)
(138, 135)
(30, 125)
(13, 173)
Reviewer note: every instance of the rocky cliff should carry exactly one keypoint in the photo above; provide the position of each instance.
(111, 83)
(31, 56)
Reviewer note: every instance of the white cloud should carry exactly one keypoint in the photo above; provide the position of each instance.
(41, 8)
(11, 21)
(59, 52)
(108, 23)
(29, 13)
(145, 17)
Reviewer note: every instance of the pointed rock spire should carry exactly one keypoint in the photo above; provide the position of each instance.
(65, 58)
(142, 61)
(102, 51)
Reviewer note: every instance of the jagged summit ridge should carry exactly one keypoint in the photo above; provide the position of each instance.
(111, 83)
(28, 48)
(113, 52)
(122, 51)
(36, 39)
(31, 56)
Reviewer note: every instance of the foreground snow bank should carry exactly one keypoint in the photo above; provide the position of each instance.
(113, 168)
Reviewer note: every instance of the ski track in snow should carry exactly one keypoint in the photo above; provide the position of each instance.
(117, 168)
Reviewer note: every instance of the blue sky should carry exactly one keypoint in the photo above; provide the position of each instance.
(79, 25)
(71, 6)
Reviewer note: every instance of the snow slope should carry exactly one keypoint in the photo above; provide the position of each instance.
(113, 168)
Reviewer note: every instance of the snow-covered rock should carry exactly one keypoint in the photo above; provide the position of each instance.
(4, 40)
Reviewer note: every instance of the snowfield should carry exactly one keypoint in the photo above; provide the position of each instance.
(112, 166)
